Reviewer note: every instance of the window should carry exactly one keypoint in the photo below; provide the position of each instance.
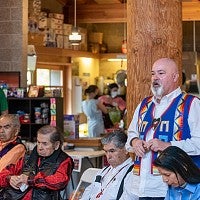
(48, 77)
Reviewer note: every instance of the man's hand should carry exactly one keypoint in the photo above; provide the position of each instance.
(17, 181)
(139, 147)
(157, 145)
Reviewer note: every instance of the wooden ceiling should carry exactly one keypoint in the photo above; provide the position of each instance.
(114, 11)
(80, 2)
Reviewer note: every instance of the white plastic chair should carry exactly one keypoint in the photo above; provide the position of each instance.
(87, 176)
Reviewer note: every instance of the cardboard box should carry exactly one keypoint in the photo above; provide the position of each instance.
(67, 44)
(59, 41)
(51, 23)
(56, 15)
(67, 29)
(71, 126)
(58, 31)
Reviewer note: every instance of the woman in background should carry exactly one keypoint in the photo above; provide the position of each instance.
(93, 109)
(180, 173)
(113, 102)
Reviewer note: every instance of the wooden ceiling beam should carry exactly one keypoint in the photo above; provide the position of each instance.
(191, 11)
(107, 1)
(116, 13)
(101, 13)
(113, 13)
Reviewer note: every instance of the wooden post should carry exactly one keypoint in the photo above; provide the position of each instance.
(154, 31)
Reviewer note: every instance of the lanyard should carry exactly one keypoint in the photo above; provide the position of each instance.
(110, 181)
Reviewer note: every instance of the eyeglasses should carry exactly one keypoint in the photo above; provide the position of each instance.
(6, 127)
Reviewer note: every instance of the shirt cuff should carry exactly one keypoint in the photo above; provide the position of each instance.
(30, 181)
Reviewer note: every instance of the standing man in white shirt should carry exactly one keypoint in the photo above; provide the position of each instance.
(169, 117)
(115, 181)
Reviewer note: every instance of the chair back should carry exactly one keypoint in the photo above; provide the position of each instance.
(88, 176)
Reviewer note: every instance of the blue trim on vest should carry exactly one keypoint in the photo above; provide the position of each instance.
(166, 128)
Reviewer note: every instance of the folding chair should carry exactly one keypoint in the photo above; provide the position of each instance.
(87, 176)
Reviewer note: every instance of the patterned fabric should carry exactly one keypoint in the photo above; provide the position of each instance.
(172, 125)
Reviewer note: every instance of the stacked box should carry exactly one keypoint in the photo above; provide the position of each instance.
(56, 16)
(53, 26)
(56, 33)
(71, 126)
(67, 29)
(83, 44)
(59, 41)
(66, 44)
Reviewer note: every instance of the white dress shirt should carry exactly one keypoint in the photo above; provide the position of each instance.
(110, 188)
(148, 185)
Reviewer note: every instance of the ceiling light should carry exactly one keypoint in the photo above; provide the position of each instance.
(75, 37)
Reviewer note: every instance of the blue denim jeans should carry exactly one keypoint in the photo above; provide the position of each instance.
(151, 198)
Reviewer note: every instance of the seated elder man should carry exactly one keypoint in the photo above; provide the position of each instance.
(113, 182)
(44, 174)
(11, 147)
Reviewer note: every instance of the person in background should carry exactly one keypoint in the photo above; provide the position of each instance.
(168, 118)
(112, 100)
(180, 173)
(11, 146)
(3, 103)
(113, 182)
(43, 174)
(93, 109)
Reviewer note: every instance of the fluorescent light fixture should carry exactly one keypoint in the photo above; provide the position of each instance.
(119, 57)
(116, 60)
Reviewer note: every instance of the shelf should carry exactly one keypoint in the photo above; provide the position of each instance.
(50, 112)
(107, 56)
(42, 52)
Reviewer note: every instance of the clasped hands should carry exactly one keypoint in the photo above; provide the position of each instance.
(17, 181)
(140, 147)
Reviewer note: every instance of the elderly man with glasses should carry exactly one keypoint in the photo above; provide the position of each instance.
(11, 147)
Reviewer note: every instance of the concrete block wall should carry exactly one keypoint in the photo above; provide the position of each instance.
(13, 37)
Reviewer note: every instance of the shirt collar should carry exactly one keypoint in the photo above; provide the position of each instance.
(126, 162)
(189, 187)
(169, 97)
